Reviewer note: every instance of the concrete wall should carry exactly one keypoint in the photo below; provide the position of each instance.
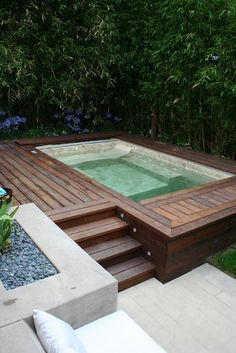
(81, 292)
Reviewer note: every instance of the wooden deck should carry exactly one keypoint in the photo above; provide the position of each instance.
(177, 231)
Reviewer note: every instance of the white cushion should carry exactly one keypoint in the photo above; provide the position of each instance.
(116, 333)
(68, 350)
(56, 335)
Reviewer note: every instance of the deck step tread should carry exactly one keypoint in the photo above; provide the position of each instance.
(125, 265)
(113, 248)
(131, 272)
(97, 228)
(78, 211)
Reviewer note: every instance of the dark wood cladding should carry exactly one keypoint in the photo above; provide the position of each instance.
(187, 252)
(178, 231)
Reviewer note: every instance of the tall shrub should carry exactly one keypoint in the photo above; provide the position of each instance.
(53, 54)
(179, 62)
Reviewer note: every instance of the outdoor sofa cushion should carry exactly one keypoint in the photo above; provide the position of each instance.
(116, 333)
(55, 335)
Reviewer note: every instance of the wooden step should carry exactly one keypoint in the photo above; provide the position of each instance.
(95, 232)
(113, 251)
(81, 214)
(131, 272)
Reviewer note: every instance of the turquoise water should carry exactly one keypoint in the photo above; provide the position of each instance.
(139, 177)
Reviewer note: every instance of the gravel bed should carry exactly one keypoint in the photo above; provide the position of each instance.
(23, 263)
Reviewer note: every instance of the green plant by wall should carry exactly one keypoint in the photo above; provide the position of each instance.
(6, 223)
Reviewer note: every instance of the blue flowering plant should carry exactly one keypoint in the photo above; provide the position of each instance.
(74, 120)
(11, 124)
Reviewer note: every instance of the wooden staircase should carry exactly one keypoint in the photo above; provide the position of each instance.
(107, 239)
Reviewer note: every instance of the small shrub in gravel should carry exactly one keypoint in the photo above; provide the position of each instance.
(6, 222)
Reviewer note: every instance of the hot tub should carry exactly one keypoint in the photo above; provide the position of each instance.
(133, 171)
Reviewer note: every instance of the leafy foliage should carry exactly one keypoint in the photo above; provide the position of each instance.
(179, 62)
(54, 54)
(6, 222)
(132, 58)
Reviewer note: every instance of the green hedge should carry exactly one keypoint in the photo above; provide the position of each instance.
(174, 58)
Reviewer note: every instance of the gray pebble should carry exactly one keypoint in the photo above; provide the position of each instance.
(23, 263)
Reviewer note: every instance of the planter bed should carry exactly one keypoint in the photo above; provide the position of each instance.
(24, 262)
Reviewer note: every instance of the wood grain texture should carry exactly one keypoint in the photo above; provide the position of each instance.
(176, 231)
(38, 141)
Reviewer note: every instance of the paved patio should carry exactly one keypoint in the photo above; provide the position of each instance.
(195, 313)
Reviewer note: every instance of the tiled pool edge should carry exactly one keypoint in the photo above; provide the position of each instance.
(81, 292)
(55, 150)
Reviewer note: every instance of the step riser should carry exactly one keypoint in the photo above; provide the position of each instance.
(99, 238)
(103, 235)
(84, 219)
(121, 257)
(136, 280)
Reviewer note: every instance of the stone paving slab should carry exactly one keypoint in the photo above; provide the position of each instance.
(195, 313)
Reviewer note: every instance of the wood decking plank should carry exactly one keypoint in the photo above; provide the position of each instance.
(212, 220)
(84, 228)
(135, 275)
(44, 183)
(123, 266)
(81, 212)
(225, 193)
(195, 203)
(189, 206)
(181, 208)
(17, 194)
(231, 189)
(218, 198)
(32, 183)
(26, 187)
(63, 191)
(56, 175)
(208, 196)
(37, 141)
(76, 208)
(203, 200)
(165, 213)
(172, 210)
(92, 225)
(203, 213)
(110, 244)
(116, 247)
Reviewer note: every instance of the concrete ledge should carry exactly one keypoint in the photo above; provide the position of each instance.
(19, 338)
(81, 292)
